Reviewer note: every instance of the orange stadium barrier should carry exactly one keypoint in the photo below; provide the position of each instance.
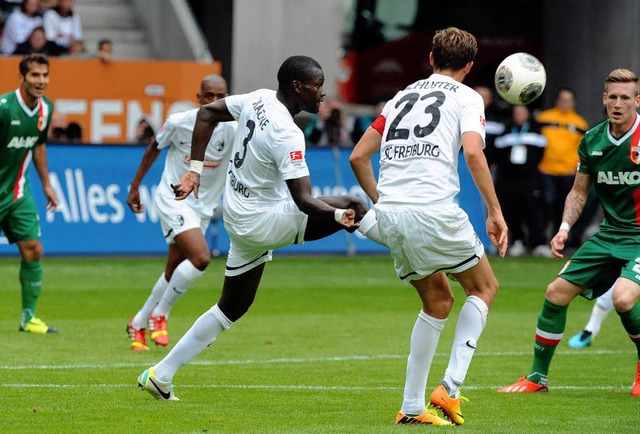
(109, 99)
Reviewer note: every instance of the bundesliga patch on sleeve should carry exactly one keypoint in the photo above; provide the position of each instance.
(296, 158)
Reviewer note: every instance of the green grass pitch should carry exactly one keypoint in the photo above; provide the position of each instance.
(322, 350)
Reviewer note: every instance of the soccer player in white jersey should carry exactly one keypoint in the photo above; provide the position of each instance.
(183, 223)
(419, 135)
(267, 200)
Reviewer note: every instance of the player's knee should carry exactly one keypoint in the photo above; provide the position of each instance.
(201, 260)
(623, 301)
(31, 250)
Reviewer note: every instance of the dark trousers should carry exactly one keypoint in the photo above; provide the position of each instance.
(523, 204)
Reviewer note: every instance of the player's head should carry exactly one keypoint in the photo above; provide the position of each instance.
(34, 74)
(621, 97)
(212, 88)
(453, 49)
(300, 80)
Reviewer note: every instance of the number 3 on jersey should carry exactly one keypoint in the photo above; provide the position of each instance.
(238, 161)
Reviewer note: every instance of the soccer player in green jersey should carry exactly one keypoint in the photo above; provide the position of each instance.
(24, 121)
(609, 158)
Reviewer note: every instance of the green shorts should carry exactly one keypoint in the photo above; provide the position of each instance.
(20, 220)
(601, 260)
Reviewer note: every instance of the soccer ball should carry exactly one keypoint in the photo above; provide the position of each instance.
(520, 79)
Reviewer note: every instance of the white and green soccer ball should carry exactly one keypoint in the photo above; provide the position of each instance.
(520, 79)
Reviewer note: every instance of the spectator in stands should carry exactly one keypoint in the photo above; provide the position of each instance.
(328, 127)
(62, 25)
(19, 25)
(57, 128)
(105, 50)
(519, 183)
(361, 123)
(74, 133)
(77, 50)
(144, 132)
(495, 124)
(37, 43)
(563, 128)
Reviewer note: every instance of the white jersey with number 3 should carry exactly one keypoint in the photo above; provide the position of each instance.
(268, 149)
(422, 138)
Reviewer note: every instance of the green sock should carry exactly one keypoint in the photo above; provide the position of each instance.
(631, 323)
(31, 283)
(551, 323)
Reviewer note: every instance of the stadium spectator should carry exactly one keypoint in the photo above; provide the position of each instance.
(58, 128)
(74, 132)
(267, 200)
(328, 127)
(427, 232)
(495, 121)
(144, 133)
(20, 24)
(37, 43)
(184, 223)
(563, 128)
(519, 183)
(105, 50)
(608, 154)
(361, 123)
(25, 116)
(62, 25)
(77, 50)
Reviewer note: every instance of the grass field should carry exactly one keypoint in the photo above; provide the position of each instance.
(323, 349)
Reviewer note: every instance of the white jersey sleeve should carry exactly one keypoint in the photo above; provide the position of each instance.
(289, 155)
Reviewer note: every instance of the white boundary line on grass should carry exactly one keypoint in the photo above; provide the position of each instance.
(288, 360)
(274, 387)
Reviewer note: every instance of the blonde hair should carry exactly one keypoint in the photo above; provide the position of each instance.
(453, 48)
(621, 76)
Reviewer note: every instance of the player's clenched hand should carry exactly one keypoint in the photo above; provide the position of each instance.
(349, 219)
(498, 231)
(557, 243)
(133, 200)
(188, 183)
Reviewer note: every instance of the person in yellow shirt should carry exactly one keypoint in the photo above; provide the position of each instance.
(563, 127)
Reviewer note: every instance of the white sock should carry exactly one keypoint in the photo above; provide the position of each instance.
(424, 340)
(183, 276)
(471, 322)
(201, 334)
(142, 317)
(369, 227)
(602, 308)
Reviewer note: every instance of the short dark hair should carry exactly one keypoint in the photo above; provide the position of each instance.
(453, 48)
(101, 42)
(32, 58)
(297, 68)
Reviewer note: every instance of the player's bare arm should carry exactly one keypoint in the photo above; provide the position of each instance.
(479, 169)
(149, 157)
(300, 189)
(573, 206)
(208, 117)
(360, 161)
(40, 161)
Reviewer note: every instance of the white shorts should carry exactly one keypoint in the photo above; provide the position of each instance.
(427, 239)
(253, 241)
(177, 216)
